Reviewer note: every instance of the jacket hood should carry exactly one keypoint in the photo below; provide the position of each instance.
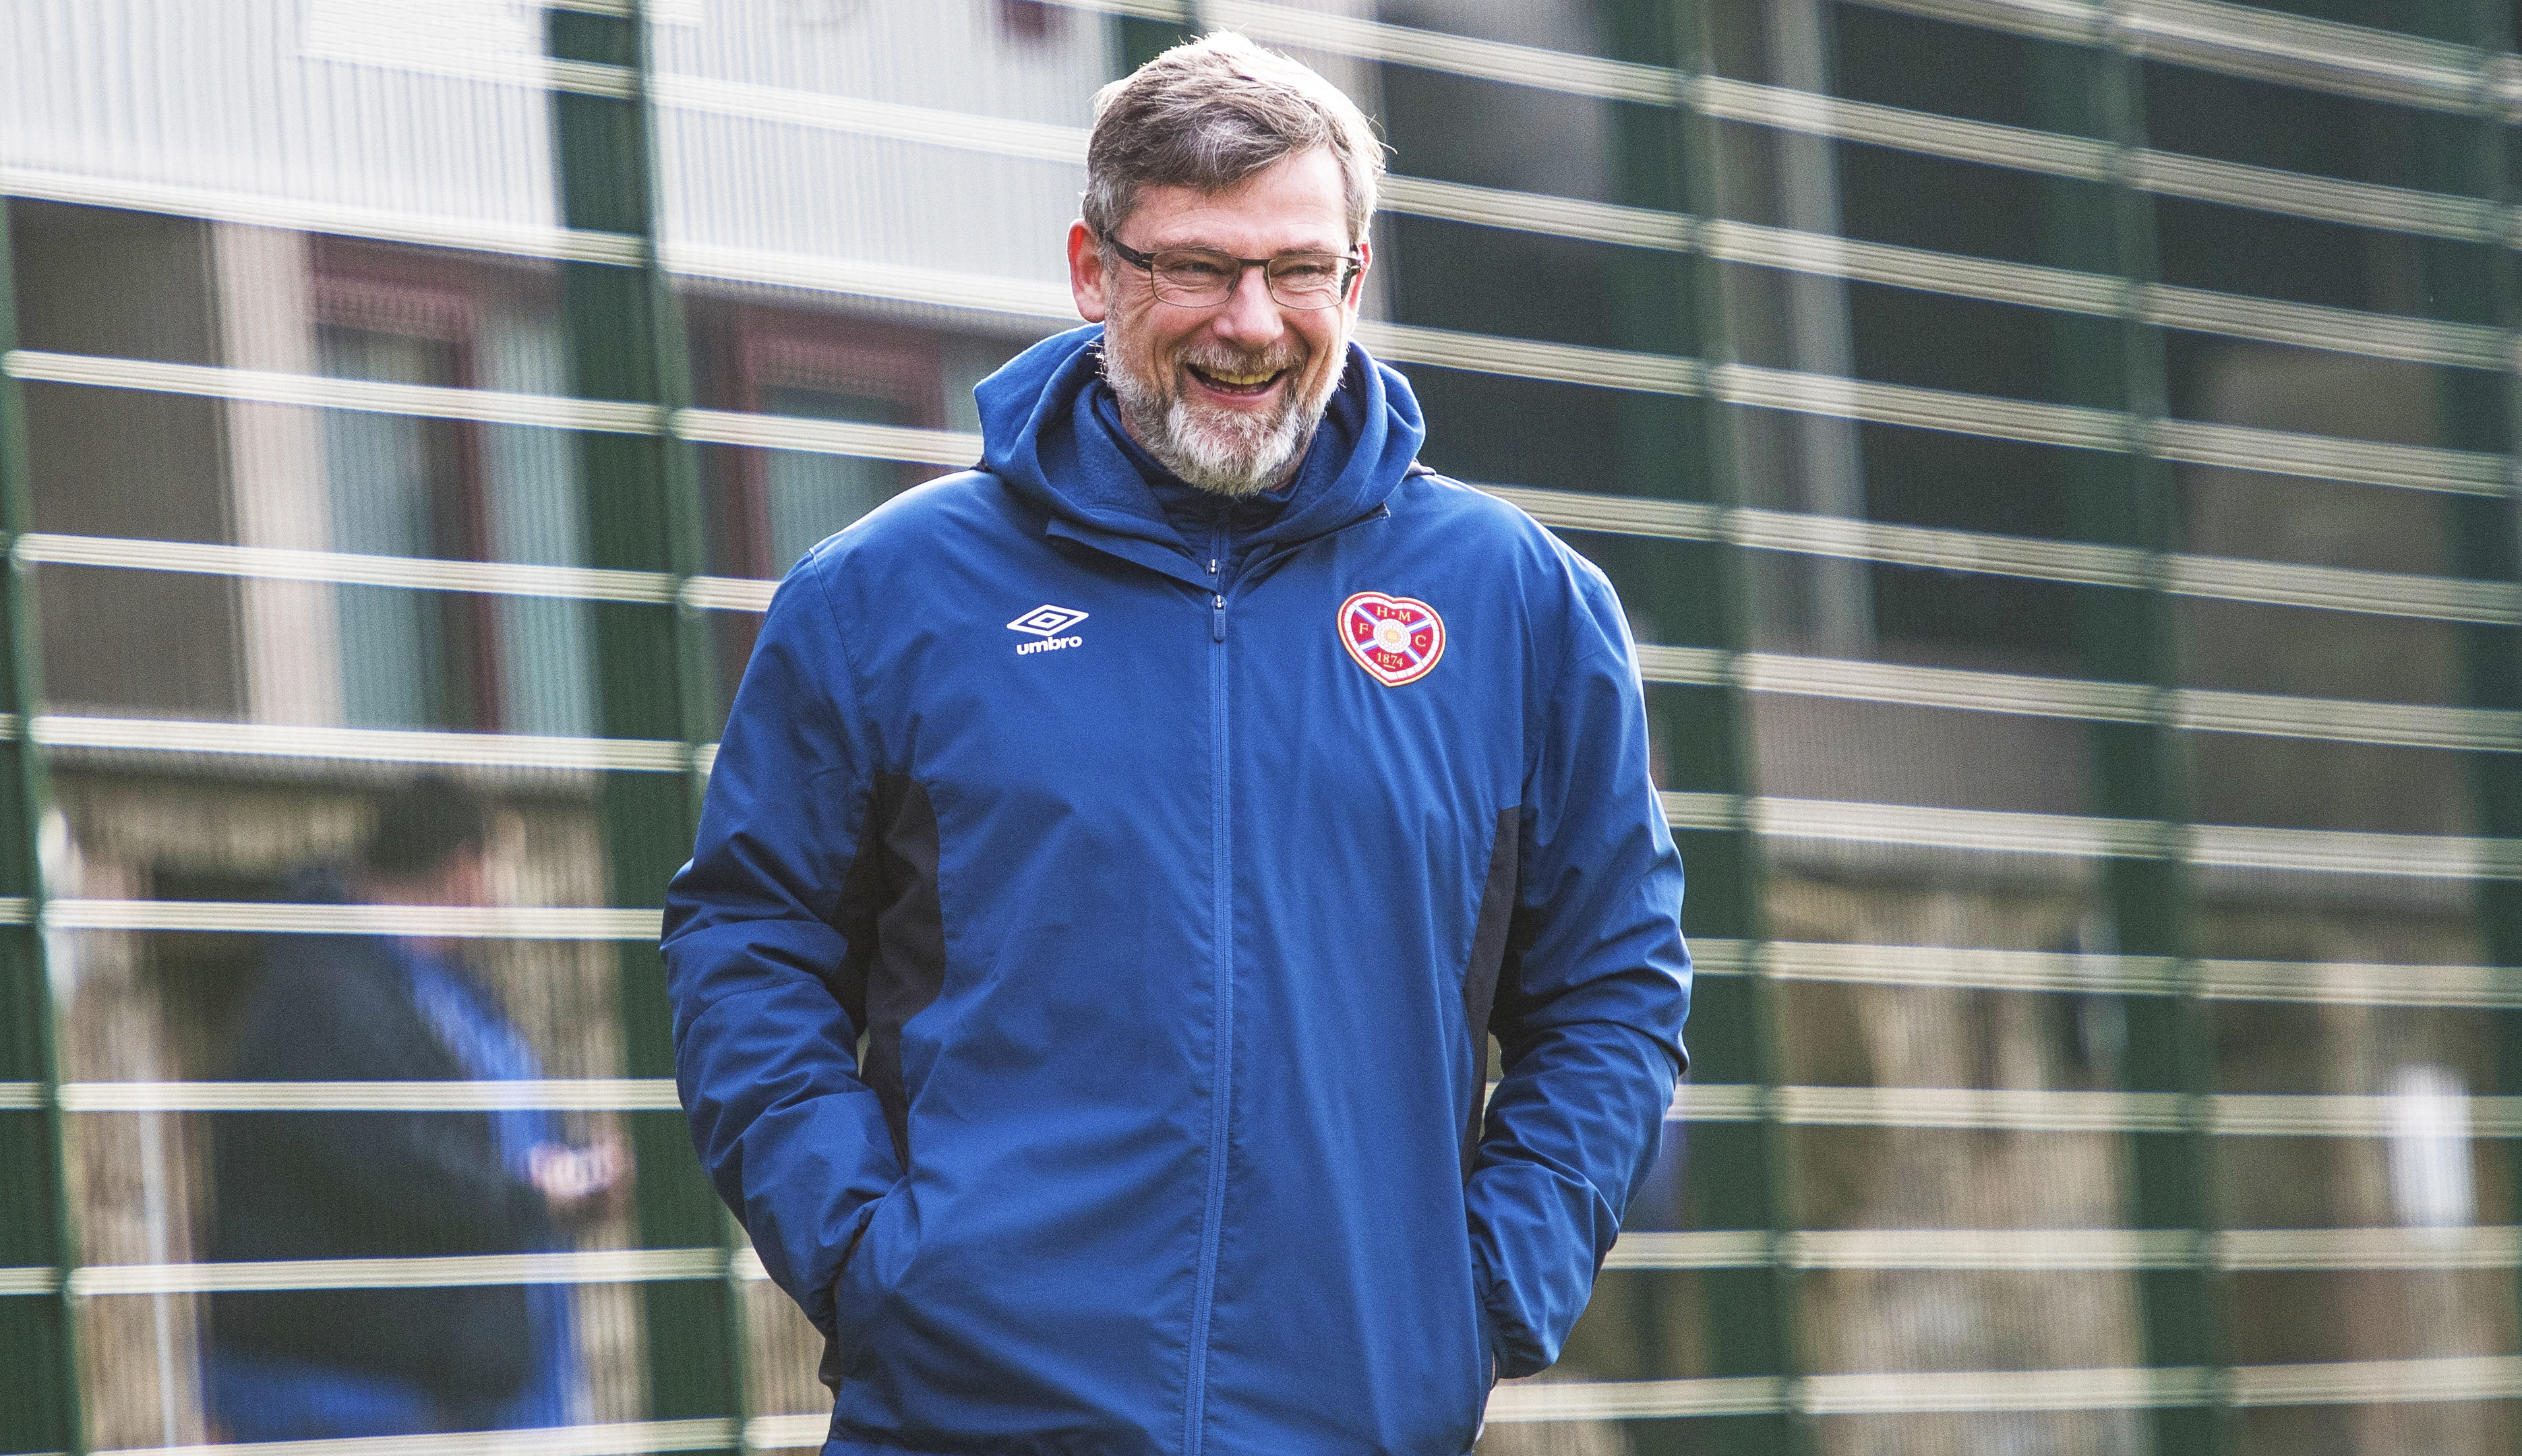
(1039, 435)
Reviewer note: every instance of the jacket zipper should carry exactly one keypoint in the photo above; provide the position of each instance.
(1222, 859)
(1222, 1095)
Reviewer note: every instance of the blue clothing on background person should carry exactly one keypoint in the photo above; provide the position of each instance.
(1176, 860)
(491, 1051)
(270, 1398)
(302, 1364)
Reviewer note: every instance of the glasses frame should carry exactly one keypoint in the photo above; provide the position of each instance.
(1146, 262)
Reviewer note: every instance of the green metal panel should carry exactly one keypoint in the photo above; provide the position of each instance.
(2136, 771)
(38, 1333)
(2482, 411)
(1142, 40)
(626, 342)
(1741, 1173)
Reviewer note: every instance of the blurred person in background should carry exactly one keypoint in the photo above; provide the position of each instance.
(292, 1365)
(1172, 807)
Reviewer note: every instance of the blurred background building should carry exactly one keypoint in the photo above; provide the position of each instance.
(2060, 456)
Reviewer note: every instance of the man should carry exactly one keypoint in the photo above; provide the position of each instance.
(304, 1364)
(1118, 857)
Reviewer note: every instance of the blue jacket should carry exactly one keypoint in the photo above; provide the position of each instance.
(1082, 976)
(307, 1185)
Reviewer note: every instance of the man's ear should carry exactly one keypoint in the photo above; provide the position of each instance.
(1357, 281)
(1087, 278)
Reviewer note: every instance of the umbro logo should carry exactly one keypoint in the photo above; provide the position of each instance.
(1047, 621)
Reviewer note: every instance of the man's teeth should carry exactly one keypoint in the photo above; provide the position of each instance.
(1229, 376)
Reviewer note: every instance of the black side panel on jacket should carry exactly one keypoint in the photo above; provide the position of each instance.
(908, 967)
(1488, 959)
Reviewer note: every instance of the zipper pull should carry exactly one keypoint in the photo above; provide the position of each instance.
(1217, 617)
(1212, 566)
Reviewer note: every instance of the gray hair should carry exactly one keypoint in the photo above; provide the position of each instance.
(1213, 112)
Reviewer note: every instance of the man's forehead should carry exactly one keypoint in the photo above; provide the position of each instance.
(1299, 201)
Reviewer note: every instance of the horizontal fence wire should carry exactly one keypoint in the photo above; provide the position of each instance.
(2273, 583)
(1948, 1108)
(2327, 199)
(2200, 311)
(2047, 1251)
(456, 921)
(160, 735)
(2089, 836)
(2232, 39)
(2401, 1249)
(2040, 1109)
(1952, 967)
(411, 1272)
(587, 1266)
(1914, 1392)
(2297, 51)
(2457, 76)
(2185, 441)
(1977, 690)
(572, 1093)
(1985, 969)
(616, 1439)
(2326, 720)
(1975, 831)
(2481, 1377)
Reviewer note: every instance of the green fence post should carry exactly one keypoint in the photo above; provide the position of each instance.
(40, 1397)
(1741, 1174)
(2482, 411)
(626, 343)
(1140, 40)
(2137, 771)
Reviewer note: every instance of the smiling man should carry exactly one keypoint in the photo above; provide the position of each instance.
(1120, 855)
(1223, 385)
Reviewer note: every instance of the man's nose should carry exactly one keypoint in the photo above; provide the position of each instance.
(1249, 316)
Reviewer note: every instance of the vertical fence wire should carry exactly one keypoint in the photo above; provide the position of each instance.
(1749, 1314)
(686, 550)
(626, 346)
(2487, 543)
(2139, 772)
(44, 1409)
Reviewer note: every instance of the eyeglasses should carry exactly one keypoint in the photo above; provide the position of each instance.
(1203, 277)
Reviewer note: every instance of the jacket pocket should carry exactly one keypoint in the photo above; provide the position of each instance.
(859, 1287)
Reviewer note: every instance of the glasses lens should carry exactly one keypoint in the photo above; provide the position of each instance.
(1198, 278)
(1307, 280)
(1193, 276)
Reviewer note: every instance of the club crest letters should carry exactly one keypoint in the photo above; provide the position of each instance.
(1397, 640)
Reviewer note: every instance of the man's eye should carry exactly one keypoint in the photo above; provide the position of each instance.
(1305, 269)
(1192, 267)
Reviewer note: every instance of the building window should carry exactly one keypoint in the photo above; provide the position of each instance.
(402, 485)
(784, 502)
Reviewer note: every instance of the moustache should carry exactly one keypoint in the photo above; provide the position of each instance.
(1273, 361)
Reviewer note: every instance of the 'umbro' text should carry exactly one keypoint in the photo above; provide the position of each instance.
(1048, 645)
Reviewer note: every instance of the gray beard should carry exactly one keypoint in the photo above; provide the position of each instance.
(1226, 455)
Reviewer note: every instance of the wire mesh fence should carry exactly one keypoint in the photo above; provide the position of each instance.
(2058, 459)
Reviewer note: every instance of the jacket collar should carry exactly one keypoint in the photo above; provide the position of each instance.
(1040, 437)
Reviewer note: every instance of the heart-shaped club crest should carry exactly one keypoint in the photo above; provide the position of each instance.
(1397, 640)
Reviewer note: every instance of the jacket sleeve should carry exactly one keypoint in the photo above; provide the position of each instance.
(767, 1011)
(1590, 999)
